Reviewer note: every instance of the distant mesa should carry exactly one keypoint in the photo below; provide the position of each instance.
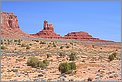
(83, 36)
(10, 29)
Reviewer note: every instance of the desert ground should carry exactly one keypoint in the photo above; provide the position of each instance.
(92, 60)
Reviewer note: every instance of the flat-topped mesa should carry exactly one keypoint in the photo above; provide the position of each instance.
(47, 32)
(83, 36)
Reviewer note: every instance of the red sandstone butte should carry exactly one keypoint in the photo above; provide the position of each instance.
(83, 36)
(10, 27)
(47, 32)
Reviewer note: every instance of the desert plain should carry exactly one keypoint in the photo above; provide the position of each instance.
(92, 60)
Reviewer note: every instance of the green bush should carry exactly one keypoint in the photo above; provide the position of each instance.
(42, 42)
(72, 57)
(64, 67)
(48, 45)
(23, 45)
(48, 55)
(41, 64)
(62, 54)
(46, 62)
(72, 65)
(37, 40)
(15, 40)
(28, 47)
(1, 41)
(67, 67)
(32, 61)
(67, 46)
(3, 47)
(112, 56)
(54, 45)
(71, 43)
(61, 47)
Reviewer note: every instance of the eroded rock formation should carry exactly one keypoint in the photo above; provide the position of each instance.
(47, 32)
(83, 36)
(10, 27)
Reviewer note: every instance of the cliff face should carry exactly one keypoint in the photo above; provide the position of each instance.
(10, 27)
(47, 32)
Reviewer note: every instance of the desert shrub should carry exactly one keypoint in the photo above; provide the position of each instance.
(23, 45)
(1, 42)
(48, 55)
(112, 56)
(30, 44)
(33, 62)
(18, 44)
(48, 45)
(41, 64)
(67, 46)
(89, 79)
(72, 66)
(64, 67)
(3, 47)
(67, 67)
(15, 40)
(42, 42)
(14, 70)
(19, 41)
(54, 45)
(37, 40)
(46, 62)
(61, 47)
(71, 43)
(62, 54)
(72, 57)
(28, 47)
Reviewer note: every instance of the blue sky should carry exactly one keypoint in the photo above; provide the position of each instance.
(100, 19)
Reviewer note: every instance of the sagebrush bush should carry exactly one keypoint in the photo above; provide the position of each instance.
(23, 45)
(61, 47)
(41, 64)
(46, 62)
(64, 67)
(72, 65)
(48, 55)
(67, 67)
(72, 57)
(42, 42)
(62, 54)
(67, 46)
(28, 47)
(112, 56)
(3, 47)
(35, 63)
